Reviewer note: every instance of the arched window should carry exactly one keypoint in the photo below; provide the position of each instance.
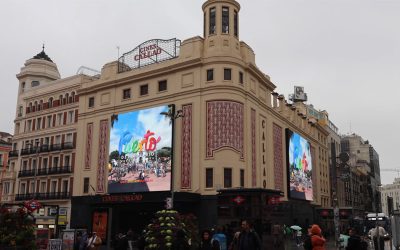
(50, 102)
(30, 107)
(73, 96)
(61, 100)
(35, 106)
(66, 98)
(40, 105)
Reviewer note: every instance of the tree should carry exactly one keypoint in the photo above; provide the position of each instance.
(16, 229)
(160, 234)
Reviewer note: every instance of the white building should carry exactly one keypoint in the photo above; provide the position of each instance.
(391, 190)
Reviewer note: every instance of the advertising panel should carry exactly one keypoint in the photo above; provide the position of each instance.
(140, 151)
(299, 167)
(100, 224)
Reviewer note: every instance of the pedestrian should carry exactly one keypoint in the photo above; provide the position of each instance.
(180, 242)
(84, 240)
(299, 237)
(205, 243)
(354, 242)
(235, 242)
(218, 240)
(307, 240)
(317, 241)
(248, 238)
(94, 242)
(378, 234)
(277, 232)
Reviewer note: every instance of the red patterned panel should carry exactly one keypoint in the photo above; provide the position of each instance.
(186, 147)
(224, 126)
(253, 149)
(102, 158)
(89, 136)
(278, 157)
(314, 173)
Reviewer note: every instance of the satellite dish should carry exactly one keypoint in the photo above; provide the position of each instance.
(344, 157)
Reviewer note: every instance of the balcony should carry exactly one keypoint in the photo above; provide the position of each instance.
(44, 148)
(44, 196)
(59, 170)
(42, 171)
(9, 175)
(29, 151)
(26, 173)
(55, 147)
(13, 153)
(67, 145)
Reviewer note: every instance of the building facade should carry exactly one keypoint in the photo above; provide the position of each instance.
(43, 155)
(393, 191)
(230, 150)
(6, 178)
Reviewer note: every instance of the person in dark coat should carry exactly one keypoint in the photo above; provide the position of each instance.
(307, 240)
(205, 243)
(354, 242)
(248, 238)
(180, 242)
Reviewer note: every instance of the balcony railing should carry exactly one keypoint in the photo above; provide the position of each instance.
(55, 147)
(59, 170)
(44, 196)
(44, 148)
(42, 171)
(67, 145)
(13, 153)
(29, 151)
(26, 173)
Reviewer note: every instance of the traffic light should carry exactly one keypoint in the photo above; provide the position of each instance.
(168, 203)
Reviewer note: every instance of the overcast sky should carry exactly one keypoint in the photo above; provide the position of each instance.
(346, 53)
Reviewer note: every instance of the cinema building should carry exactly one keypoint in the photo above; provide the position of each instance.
(198, 112)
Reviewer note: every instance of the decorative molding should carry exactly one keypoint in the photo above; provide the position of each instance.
(225, 126)
(253, 149)
(88, 149)
(186, 150)
(102, 157)
(278, 157)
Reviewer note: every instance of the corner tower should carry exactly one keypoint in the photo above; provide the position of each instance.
(221, 27)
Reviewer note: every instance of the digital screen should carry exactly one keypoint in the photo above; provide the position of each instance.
(299, 167)
(140, 151)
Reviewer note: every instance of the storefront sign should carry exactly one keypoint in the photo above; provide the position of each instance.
(150, 52)
(55, 244)
(32, 205)
(121, 198)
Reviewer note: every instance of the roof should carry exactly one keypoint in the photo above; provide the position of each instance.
(42, 56)
(4, 134)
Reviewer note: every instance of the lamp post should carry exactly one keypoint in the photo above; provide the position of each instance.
(377, 222)
(172, 115)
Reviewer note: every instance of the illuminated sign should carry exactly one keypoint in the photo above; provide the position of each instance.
(150, 52)
(140, 152)
(299, 167)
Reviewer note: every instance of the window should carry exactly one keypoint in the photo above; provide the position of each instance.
(212, 21)
(227, 74)
(162, 85)
(53, 187)
(59, 119)
(20, 111)
(35, 83)
(210, 75)
(126, 94)
(6, 188)
(58, 139)
(50, 102)
(68, 138)
(55, 162)
(144, 89)
(42, 187)
(241, 77)
(22, 87)
(241, 177)
(70, 117)
(227, 177)
(86, 185)
(38, 123)
(225, 20)
(45, 163)
(65, 186)
(209, 177)
(32, 188)
(29, 126)
(1, 160)
(23, 188)
(235, 24)
(91, 102)
(49, 118)
(67, 161)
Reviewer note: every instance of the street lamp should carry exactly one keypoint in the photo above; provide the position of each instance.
(377, 221)
(172, 115)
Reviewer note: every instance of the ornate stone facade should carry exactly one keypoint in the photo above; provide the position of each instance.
(186, 180)
(102, 157)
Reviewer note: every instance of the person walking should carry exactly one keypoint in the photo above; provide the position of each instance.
(218, 240)
(205, 243)
(378, 234)
(317, 240)
(248, 238)
(235, 242)
(307, 240)
(277, 232)
(94, 242)
(354, 242)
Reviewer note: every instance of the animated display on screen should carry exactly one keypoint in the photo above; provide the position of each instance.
(140, 152)
(300, 167)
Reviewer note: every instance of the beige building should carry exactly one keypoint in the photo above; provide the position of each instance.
(229, 133)
(6, 177)
(390, 190)
(43, 156)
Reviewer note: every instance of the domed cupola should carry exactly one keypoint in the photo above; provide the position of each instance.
(38, 71)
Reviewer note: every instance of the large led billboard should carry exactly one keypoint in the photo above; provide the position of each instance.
(299, 166)
(140, 151)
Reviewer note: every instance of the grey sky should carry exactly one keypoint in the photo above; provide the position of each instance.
(345, 53)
